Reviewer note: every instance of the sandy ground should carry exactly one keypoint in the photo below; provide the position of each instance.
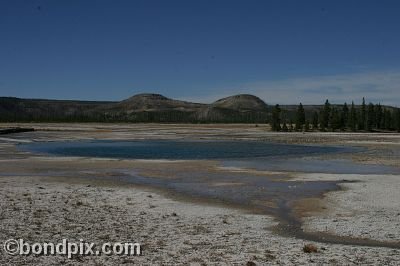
(368, 208)
(46, 207)
(171, 232)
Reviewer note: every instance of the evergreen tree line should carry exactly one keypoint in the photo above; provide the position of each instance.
(371, 117)
(168, 116)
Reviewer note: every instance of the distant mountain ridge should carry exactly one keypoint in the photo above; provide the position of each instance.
(145, 107)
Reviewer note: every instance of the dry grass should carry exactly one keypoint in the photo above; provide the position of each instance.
(310, 248)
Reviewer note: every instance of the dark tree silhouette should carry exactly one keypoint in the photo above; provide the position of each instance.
(363, 116)
(291, 125)
(300, 117)
(315, 121)
(284, 127)
(325, 115)
(370, 117)
(387, 119)
(398, 120)
(335, 119)
(352, 124)
(344, 117)
(378, 116)
(307, 125)
(276, 118)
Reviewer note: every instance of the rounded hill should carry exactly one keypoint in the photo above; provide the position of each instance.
(241, 102)
(155, 102)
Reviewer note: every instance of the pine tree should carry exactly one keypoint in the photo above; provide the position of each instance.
(284, 127)
(291, 125)
(315, 121)
(307, 125)
(352, 118)
(335, 119)
(344, 117)
(363, 116)
(276, 118)
(370, 117)
(387, 119)
(325, 115)
(398, 120)
(378, 116)
(300, 117)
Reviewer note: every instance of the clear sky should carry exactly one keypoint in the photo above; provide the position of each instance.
(282, 51)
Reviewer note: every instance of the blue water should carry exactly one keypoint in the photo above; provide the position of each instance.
(177, 150)
(267, 192)
(244, 154)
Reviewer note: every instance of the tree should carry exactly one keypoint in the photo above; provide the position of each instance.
(335, 119)
(291, 125)
(387, 119)
(352, 118)
(398, 120)
(284, 127)
(370, 117)
(315, 121)
(325, 115)
(363, 116)
(276, 118)
(378, 116)
(300, 117)
(307, 125)
(344, 117)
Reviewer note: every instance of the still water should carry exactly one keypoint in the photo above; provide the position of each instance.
(177, 150)
(270, 193)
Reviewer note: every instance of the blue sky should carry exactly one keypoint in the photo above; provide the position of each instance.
(282, 51)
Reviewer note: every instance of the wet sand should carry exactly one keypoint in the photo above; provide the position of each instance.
(200, 233)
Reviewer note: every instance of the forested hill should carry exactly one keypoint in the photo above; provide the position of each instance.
(242, 108)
